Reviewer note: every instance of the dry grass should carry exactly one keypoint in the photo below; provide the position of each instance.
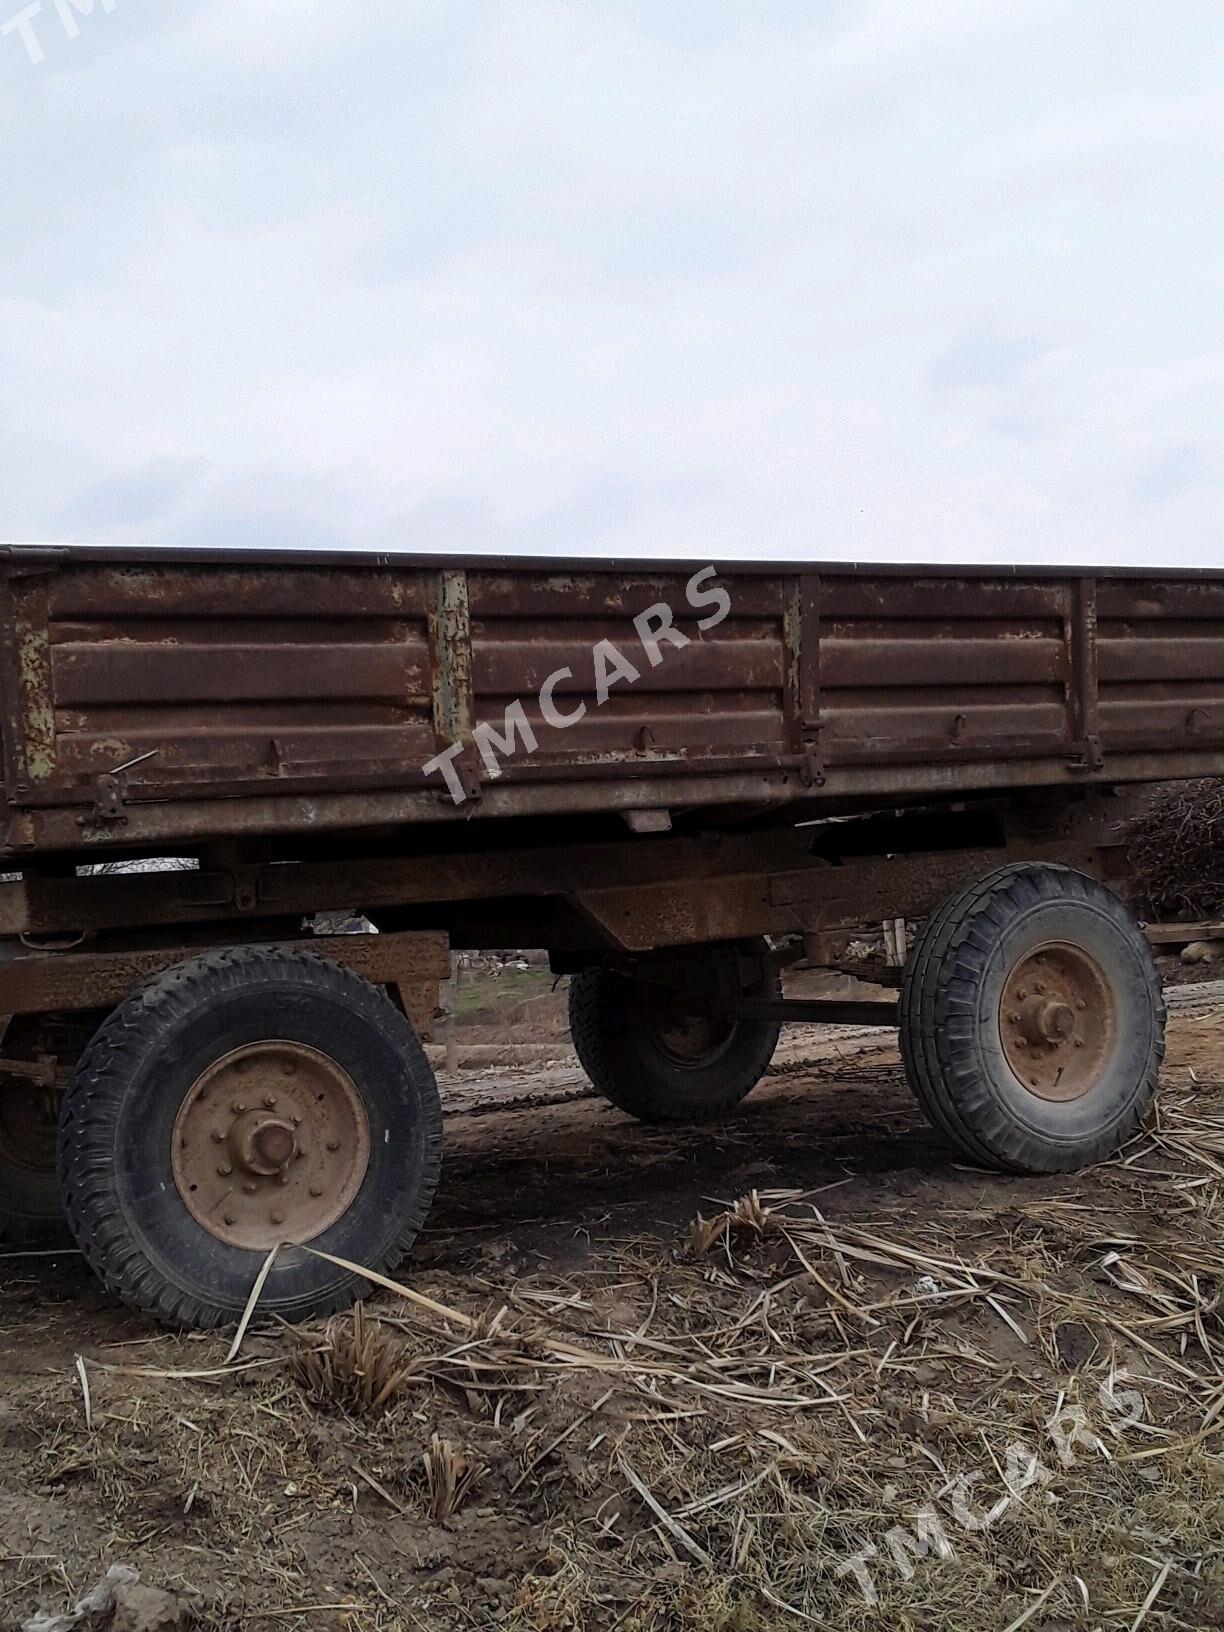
(1176, 851)
(354, 1365)
(450, 1475)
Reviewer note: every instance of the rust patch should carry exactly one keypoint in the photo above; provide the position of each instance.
(33, 647)
(271, 1144)
(450, 644)
(64, 981)
(1057, 1022)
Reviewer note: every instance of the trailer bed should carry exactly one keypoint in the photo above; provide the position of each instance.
(156, 700)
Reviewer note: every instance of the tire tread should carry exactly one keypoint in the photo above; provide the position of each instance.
(941, 973)
(612, 1057)
(92, 1104)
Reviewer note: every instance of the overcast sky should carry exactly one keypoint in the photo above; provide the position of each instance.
(848, 279)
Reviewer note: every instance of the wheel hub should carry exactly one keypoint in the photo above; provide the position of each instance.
(262, 1144)
(1044, 1020)
(687, 1037)
(1057, 1022)
(271, 1145)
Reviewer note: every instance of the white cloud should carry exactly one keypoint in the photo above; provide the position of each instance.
(900, 280)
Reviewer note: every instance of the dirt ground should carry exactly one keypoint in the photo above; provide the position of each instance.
(728, 1379)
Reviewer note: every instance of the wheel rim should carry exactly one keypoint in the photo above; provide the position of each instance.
(1058, 1021)
(271, 1144)
(27, 1128)
(688, 1039)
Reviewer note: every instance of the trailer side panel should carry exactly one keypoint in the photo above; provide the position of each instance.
(143, 698)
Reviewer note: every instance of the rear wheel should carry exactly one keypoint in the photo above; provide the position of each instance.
(655, 1054)
(30, 1211)
(249, 1098)
(1032, 1020)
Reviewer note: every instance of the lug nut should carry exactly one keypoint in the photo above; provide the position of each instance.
(316, 1190)
(269, 1102)
(250, 1187)
(218, 1138)
(278, 1218)
(333, 1144)
(238, 1107)
(229, 1218)
(225, 1170)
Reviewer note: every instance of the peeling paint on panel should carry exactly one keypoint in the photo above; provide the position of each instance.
(33, 646)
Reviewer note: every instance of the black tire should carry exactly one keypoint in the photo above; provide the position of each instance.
(121, 1197)
(966, 1035)
(30, 1210)
(621, 1051)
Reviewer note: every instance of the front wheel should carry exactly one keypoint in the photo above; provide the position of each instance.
(1032, 1020)
(652, 1052)
(248, 1098)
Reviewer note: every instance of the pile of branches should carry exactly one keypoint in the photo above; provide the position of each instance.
(1177, 851)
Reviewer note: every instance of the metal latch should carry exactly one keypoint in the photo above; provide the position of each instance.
(811, 771)
(469, 776)
(465, 771)
(110, 790)
(108, 801)
(108, 798)
(1089, 756)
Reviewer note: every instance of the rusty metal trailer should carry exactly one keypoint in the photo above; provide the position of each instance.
(673, 777)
